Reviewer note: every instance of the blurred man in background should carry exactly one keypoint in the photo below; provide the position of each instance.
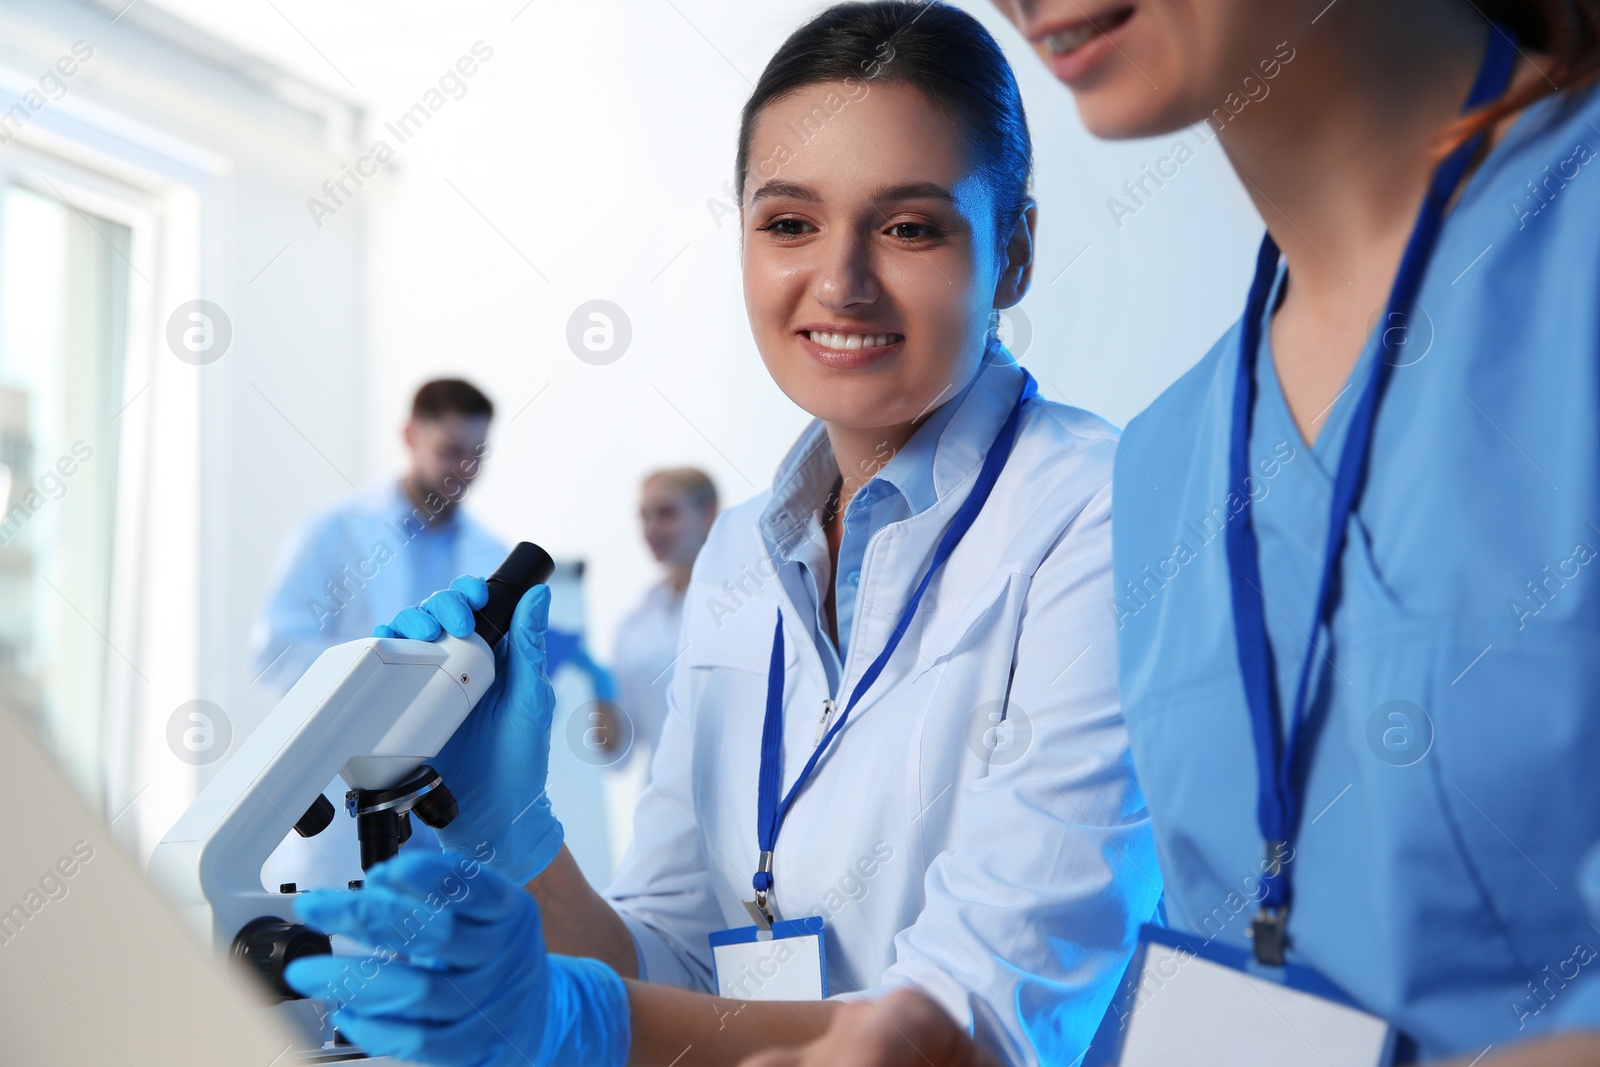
(357, 562)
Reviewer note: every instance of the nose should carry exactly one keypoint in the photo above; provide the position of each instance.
(846, 276)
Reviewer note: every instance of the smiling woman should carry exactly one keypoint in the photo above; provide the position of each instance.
(888, 700)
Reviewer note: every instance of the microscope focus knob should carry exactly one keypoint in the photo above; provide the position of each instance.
(317, 818)
(268, 945)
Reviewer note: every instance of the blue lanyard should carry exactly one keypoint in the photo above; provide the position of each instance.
(769, 813)
(1278, 806)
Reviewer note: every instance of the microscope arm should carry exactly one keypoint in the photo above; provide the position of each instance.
(373, 711)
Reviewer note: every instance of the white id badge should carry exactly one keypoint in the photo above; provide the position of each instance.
(784, 963)
(1184, 1000)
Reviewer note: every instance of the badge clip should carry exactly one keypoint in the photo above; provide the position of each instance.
(759, 913)
(1269, 932)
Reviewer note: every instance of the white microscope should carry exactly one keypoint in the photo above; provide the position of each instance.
(373, 712)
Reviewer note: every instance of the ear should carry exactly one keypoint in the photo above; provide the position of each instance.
(1016, 274)
(409, 435)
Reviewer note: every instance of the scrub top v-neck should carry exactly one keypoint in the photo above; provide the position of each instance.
(1449, 791)
(1291, 524)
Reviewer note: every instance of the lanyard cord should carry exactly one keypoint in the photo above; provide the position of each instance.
(1278, 803)
(770, 814)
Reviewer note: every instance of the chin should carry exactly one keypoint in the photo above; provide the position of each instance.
(1122, 116)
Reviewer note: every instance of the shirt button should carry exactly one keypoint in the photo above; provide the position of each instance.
(854, 577)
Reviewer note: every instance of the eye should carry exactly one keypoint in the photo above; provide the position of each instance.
(787, 228)
(911, 232)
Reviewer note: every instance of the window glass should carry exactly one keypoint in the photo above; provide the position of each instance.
(63, 342)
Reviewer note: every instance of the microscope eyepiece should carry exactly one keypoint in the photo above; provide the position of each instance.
(528, 565)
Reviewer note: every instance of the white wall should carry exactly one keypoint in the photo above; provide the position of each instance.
(587, 159)
(591, 144)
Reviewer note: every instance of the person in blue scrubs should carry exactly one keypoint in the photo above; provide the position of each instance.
(1442, 805)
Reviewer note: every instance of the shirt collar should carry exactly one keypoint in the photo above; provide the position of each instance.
(949, 445)
(403, 509)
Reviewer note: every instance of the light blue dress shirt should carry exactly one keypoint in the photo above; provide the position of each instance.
(353, 565)
(1451, 790)
(791, 523)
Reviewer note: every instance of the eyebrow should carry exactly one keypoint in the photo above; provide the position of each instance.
(887, 194)
(791, 190)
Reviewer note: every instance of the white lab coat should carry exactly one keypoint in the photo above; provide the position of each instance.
(1007, 881)
(646, 649)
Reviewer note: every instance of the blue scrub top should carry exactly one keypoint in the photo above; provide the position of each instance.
(1451, 790)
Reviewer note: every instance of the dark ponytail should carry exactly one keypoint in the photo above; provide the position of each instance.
(1567, 30)
(942, 52)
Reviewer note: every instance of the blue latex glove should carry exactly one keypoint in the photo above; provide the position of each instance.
(497, 763)
(459, 975)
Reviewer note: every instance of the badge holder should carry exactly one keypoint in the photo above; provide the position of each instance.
(1202, 1004)
(771, 960)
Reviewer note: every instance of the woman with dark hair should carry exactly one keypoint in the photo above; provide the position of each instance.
(893, 753)
(1372, 699)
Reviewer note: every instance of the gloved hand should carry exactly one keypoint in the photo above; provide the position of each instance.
(459, 975)
(497, 763)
